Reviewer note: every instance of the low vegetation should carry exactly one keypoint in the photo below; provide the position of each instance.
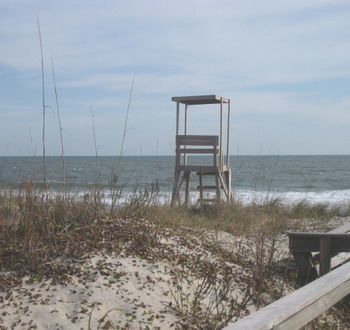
(37, 227)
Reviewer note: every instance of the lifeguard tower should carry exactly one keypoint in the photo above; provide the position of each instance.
(212, 145)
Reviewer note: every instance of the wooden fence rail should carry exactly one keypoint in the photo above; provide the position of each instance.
(302, 306)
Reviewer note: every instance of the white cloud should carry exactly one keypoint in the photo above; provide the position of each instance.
(175, 48)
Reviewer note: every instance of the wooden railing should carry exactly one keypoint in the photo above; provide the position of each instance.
(302, 306)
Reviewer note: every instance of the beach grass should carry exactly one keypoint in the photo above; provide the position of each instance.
(31, 221)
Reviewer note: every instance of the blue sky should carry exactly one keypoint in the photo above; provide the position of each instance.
(285, 65)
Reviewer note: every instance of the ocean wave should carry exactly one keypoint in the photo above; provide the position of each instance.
(335, 197)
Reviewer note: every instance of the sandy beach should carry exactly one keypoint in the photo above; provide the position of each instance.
(143, 275)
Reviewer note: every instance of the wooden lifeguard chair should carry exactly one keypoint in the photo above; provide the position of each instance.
(212, 145)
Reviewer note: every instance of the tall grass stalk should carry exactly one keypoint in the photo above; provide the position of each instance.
(63, 170)
(97, 194)
(115, 174)
(43, 106)
(121, 152)
(95, 144)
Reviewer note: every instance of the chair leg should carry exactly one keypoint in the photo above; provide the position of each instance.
(201, 196)
(228, 180)
(187, 177)
(223, 184)
(218, 190)
(175, 195)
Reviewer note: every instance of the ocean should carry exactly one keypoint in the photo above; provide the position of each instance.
(317, 179)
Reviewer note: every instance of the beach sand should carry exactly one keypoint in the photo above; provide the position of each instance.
(149, 282)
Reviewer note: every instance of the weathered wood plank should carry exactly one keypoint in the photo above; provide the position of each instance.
(310, 242)
(195, 142)
(302, 306)
(210, 200)
(199, 137)
(304, 243)
(200, 140)
(199, 168)
(206, 173)
(340, 244)
(311, 234)
(199, 99)
(206, 187)
(341, 230)
(198, 151)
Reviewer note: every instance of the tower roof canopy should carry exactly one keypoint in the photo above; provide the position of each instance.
(199, 99)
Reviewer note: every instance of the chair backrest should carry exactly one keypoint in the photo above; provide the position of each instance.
(206, 144)
(197, 140)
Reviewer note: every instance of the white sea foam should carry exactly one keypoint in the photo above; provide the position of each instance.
(246, 197)
(335, 197)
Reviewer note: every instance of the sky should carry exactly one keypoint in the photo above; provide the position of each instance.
(285, 66)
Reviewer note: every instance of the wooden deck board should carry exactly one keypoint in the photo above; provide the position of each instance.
(342, 229)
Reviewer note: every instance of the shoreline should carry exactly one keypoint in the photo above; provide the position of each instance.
(336, 198)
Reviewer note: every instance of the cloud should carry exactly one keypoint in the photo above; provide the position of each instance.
(230, 37)
(238, 49)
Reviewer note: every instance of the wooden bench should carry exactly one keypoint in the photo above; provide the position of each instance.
(303, 244)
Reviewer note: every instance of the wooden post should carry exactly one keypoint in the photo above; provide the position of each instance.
(187, 176)
(183, 179)
(185, 131)
(228, 183)
(175, 195)
(325, 255)
(222, 182)
(228, 134)
(306, 273)
(177, 117)
(186, 112)
(201, 185)
(221, 155)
